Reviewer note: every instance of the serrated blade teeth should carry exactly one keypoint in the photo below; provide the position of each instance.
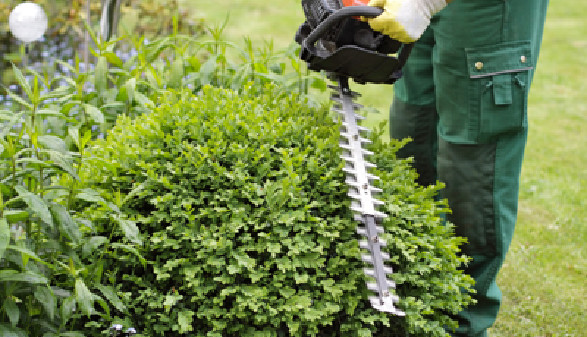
(386, 305)
(372, 286)
(363, 230)
(377, 202)
(369, 272)
(364, 244)
(353, 183)
(372, 177)
(379, 215)
(367, 258)
(376, 189)
(366, 152)
(349, 171)
(360, 128)
(357, 208)
(390, 284)
(361, 191)
(347, 136)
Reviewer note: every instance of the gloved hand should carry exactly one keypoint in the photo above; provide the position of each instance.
(404, 20)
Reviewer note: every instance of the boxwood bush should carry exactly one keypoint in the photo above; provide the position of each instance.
(240, 201)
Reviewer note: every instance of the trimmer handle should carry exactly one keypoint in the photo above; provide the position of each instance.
(334, 18)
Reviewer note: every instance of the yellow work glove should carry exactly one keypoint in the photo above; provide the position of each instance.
(404, 20)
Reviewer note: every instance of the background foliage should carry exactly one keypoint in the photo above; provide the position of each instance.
(66, 34)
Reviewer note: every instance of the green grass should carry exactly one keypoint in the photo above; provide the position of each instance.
(544, 280)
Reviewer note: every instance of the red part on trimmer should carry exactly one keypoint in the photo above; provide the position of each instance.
(347, 3)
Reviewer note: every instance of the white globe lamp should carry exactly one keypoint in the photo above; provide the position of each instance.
(27, 22)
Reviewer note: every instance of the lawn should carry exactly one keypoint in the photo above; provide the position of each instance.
(544, 278)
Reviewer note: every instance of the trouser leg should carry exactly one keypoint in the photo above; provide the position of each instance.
(482, 189)
(413, 112)
(419, 124)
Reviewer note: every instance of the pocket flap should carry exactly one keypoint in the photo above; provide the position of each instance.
(507, 57)
(502, 89)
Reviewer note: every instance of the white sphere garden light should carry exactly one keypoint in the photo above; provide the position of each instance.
(27, 22)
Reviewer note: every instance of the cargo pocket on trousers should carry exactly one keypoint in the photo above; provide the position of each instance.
(499, 80)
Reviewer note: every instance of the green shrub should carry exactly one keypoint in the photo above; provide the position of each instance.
(241, 202)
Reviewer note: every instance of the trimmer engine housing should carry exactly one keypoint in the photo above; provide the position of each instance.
(349, 31)
(336, 40)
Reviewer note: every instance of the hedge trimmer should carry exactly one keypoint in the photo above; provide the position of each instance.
(334, 40)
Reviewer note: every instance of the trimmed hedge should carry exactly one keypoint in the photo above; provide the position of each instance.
(240, 201)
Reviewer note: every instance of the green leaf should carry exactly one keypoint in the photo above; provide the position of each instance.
(47, 299)
(53, 143)
(101, 75)
(66, 224)
(130, 87)
(50, 113)
(110, 294)
(72, 334)
(113, 59)
(10, 331)
(84, 297)
(185, 321)
(4, 236)
(19, 99)
(26, 253)
(94, 113)
(143, 100)
(11, 310)
(63, 162)
(176, 74)
(131, 250)
(130, 230)
(208, 69)
(194, 62)
(93, 243)
(22, 81)
(74, 134)
(90, 195)
(9, 275)
(67, 308)
(36, 204)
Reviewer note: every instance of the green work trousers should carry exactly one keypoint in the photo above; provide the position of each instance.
(463, 101)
